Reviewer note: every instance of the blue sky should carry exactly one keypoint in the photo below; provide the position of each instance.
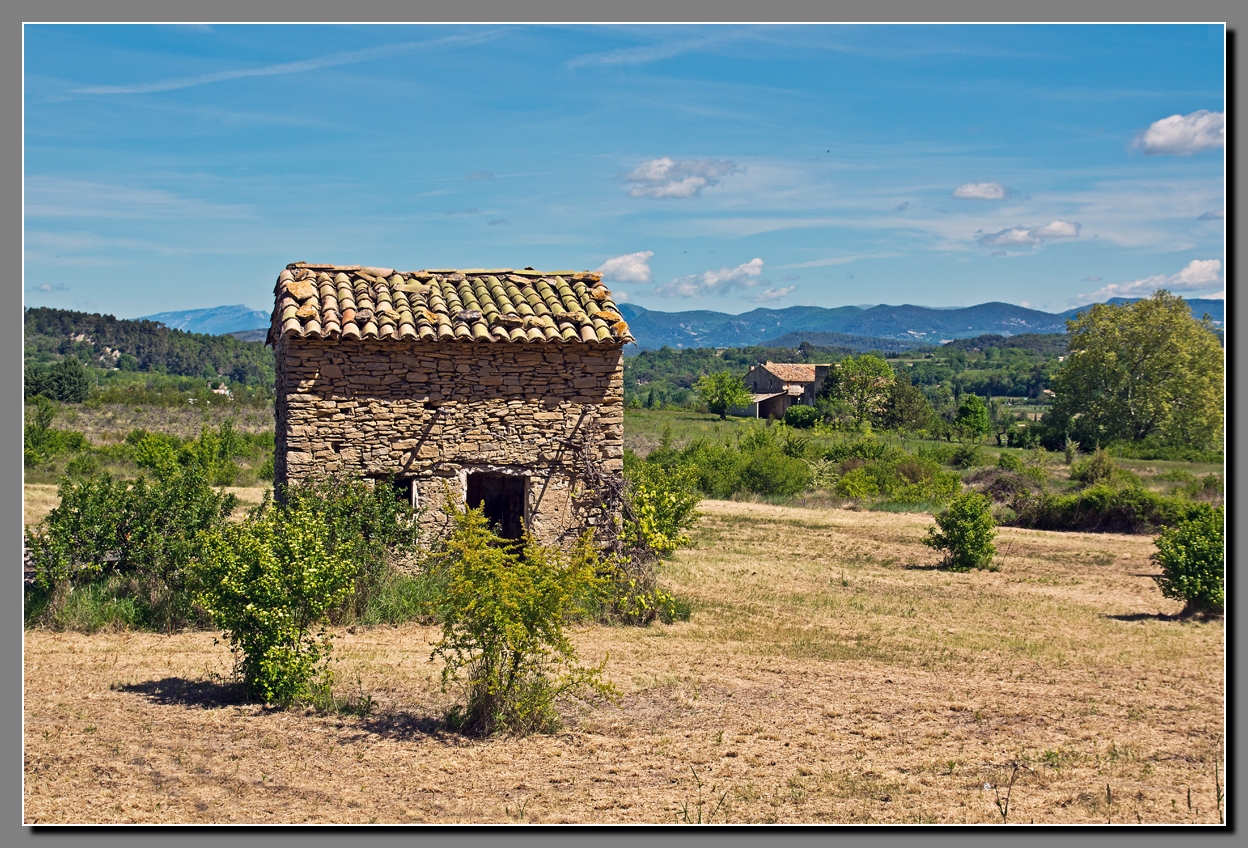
(176, 167)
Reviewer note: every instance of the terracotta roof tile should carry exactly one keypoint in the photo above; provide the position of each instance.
(482, 305)
(790, 372)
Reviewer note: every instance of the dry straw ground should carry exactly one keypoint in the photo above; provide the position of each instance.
(829, 674)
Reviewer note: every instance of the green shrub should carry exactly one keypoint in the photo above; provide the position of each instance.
(269, 583)
(768, 471)
(801, 417)
(1192, 560)
(1009, 462)
(266, 471)
(965, 455)
(504, 614)
(966, 533)
(905, 479)
(1103, 508)
(864, 448)
(149, 530)
(1097, 468)
(1209, 487)
(660, 505)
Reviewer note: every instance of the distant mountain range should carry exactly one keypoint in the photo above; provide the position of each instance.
(216, 321)
(856, 327)
(893, 327)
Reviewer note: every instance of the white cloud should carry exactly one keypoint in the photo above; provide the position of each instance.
(981, 191)
(620, 296)
(477, 176)
(52, 287)
(1197, 275)
(1183, 135)
(1029, 236)
(1058, 229)
(629, 268)
(1092, 279)
(718, 282)
(773, 294)
(677, 178)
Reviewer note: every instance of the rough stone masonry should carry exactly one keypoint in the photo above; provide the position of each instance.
(503, 385)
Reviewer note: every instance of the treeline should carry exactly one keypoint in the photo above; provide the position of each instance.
(989, 365)
(106, 342)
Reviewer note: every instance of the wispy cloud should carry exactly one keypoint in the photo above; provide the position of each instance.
(50, 287)
(902, 207)
(481, 175)
(53, 197)
(629, 268)
(653, 52)
(471, 211)
(1183, 135)
(981, 191)
(1197, 275)
(496, 222)
(1092, 279)
(1213, 215)
(1029, 236)
(719, 282)
(677, 178)
(773, 294)
(350, 57)
(832, 260)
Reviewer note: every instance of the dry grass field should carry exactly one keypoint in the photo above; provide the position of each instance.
(829, 674)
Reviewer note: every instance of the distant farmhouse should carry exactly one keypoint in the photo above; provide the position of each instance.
(495, 387)
(775, 386)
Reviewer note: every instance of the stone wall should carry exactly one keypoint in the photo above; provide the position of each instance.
(434, 412)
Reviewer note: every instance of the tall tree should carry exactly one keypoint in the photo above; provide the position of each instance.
(1141, 371)
(863, 382)
(906, 408)
(971, 422)
(722, 390)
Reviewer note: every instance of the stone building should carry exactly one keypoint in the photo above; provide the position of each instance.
(495, 387)
(775, 386)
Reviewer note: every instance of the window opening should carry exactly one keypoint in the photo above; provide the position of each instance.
(501, 497)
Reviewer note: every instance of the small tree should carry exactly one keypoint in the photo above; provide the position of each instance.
(966, 533)
(67, 381)
(504, 615)
(721, 391)
(971, 420)
(270, 583)
(906, 408)
(1192, 560)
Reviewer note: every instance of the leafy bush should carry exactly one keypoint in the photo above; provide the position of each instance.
(65, 381)
(40, 442)
(1151, 449)
(660, 505)
(966, 533)
(905, 479)
(364, 524)
(268, 582)
(1097, 468)
(1009, 462)
(801, 417)
(768, 471)
(146, 530)
(865, 448)
(1103, 508)
(1192, 560)
(965, 455)
(504, 614)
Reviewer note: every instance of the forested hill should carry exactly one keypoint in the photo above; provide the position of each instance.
(107, 342)
(880, 327)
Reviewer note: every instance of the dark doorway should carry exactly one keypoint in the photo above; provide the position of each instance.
(503, 497)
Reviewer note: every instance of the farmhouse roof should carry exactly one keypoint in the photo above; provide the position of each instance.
(792, 372)
(485, 305)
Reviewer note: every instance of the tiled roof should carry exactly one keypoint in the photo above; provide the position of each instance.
(499, 305)
(792, 372)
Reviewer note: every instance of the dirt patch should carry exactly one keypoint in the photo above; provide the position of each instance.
(829, 674)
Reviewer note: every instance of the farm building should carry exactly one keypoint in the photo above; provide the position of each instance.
(775, 386)
(500, 387)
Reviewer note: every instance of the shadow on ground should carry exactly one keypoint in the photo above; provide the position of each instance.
(178, 691)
